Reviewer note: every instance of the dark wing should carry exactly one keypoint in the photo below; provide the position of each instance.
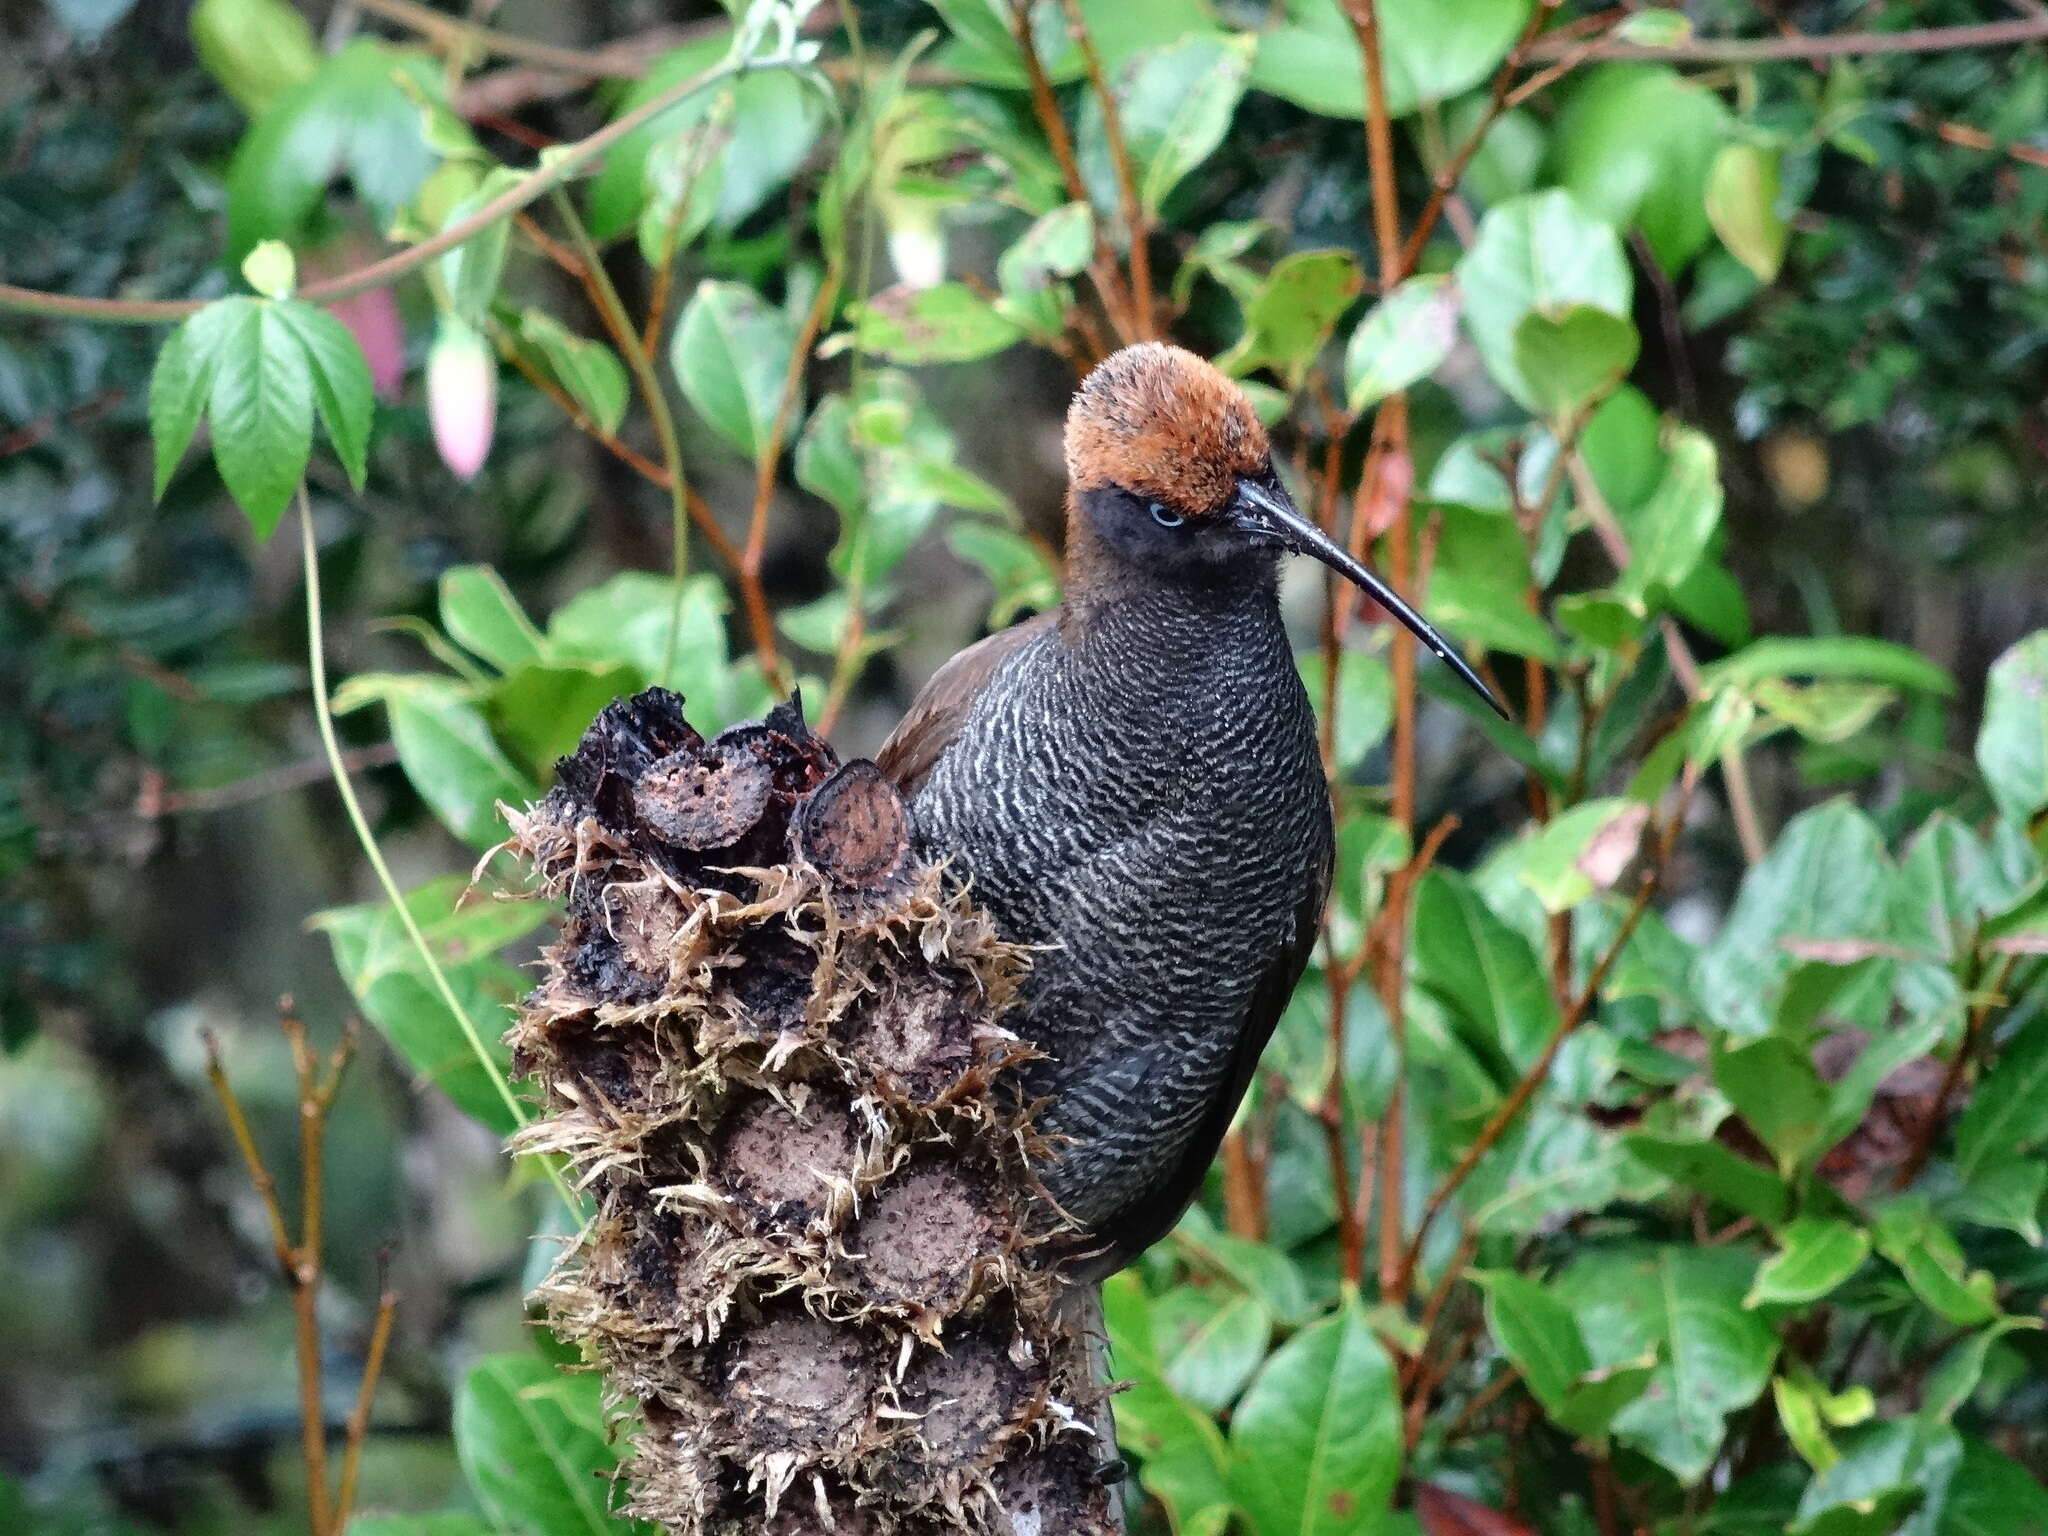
(937, 713)
(1139, 1227)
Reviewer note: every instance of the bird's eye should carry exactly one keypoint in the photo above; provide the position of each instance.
(1164, 518)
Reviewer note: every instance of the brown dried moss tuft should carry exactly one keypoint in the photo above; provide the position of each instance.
(768, 1042)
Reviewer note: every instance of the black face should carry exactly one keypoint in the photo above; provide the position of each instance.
(1163, 538)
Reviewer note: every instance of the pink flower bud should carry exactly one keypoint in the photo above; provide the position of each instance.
(462, 396)
(372, 318)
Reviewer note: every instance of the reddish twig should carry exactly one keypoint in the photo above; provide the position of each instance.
(366, 1390)
(154, 801)
(1120, 161)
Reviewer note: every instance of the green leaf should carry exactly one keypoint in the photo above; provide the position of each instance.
(1774, 1087)
(1670, 531)
(2005, 1196)
(1955, 1378)
(1538, 253)
(1174, 105)
(731, 353)
(1882, 1472)
(1831, 656)
(271, 269)
(256, 49)
(453, 761)
(1539, 1334)
(1485, 971)
(1210, 1341)
(1580, 851)
(1654, 28)
(1827, 877)
(1634, 144)
(389, 982)
(1256, 1268)
(1430, 50)
(949, 323)
(2007, 1115)
(479, 611)
(1293, 313)
(1058, 244)
(1742, 205)
(533, 1446)
(418, 1525)
(2012, 746)
(342, 389)
(352, 119)
(1714, 1171)
(775, 120)
(1478, 590)
(1928, 1255)
(589, 370)
(1990, 1495)
(1686, 1305)
(1402, 339)
(469, 274)
(629, 620)
(182, 380)
(1316, 1443)
(1365, 700)
(541, 711)
(1814, 1256)
(1573, 357)
(261, 408)
(1185, 1464)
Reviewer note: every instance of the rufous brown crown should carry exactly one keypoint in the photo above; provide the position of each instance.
(1161, 423)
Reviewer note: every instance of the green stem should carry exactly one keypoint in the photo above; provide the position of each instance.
(613, 311)
(316, 656)
(542, 180)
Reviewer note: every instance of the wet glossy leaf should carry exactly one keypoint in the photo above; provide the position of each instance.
(2012, 746)
(1542, 251)
(1401, 340)
(588, 370)
(479, 611)
(1430, 50)
(1209, 1341)
(1669, 532)
(1316, 1443)
(1479, 588)
(1485, 971)
(1580, 851)
(1742, 204)
(1293, 313)
(1828, 877)
(1686, 1305)
(351, 119)
(342, 391)
(533, 1446)
(950, 323)
(1830, 656)
(1635, 143)
(1814, 1256)
(642, 621)
(2008, 1113)
(1774, 1087)
(1927, 1254)
(1715, 1172)
(261, 409)
(731, 354)
(1542, 1338)
(540, 711)
(453, 761)
(1174, 105)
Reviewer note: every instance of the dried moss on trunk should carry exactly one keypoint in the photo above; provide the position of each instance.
(768, 1042)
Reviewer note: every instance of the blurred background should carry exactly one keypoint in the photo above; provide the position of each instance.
(1880, 410)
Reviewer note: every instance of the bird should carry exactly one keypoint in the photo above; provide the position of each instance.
(1130, 783)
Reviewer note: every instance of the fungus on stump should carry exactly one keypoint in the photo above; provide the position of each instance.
(767, 1041)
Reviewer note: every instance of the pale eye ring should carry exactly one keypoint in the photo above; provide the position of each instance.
(1162, 517)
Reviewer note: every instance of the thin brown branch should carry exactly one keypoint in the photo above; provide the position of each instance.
(305, 1270)
(1974, 1033)
(1965, 137)
(154, 801)
(366, 1391)
(1046, 108)
(1755, 50)
(1244, 1188)
(1446, 180)
(1479, 1402)
(1510, 1108)
(144, 666)
(1133, 211)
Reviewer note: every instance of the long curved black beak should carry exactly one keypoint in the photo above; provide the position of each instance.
(1264, 509)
